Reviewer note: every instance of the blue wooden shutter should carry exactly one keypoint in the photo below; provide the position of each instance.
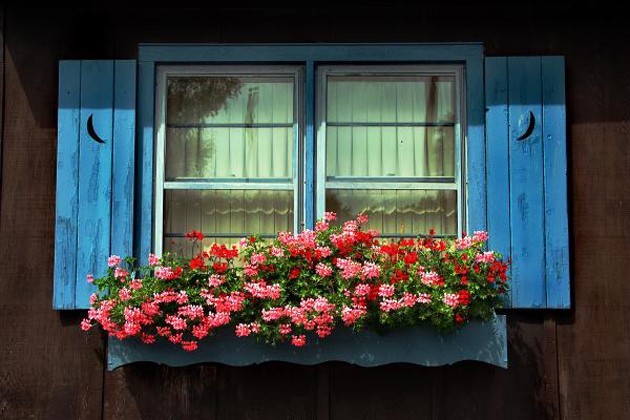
(95, 173)
(527, 176)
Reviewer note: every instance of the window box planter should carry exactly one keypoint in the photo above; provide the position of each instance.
(296, 298)
(480, 341)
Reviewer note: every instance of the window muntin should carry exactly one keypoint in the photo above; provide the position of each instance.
(390, 144)
(226, 152)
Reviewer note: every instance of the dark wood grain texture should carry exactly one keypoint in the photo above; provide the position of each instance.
(1, 84)
(149, 391)
(398, 391)
(48, 367)
(569, 365)
(267, 391)
(475, 391)
(594, 345)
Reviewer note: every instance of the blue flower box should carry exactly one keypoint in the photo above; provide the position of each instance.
(481, 341)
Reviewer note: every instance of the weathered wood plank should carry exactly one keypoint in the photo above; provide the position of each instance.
(475, 147)
(123, 168)
(95, 169)
(550, 362)
(323, 392)
(472, 390)
(143, 210)
(497, 147)
(526, 182)
(397, 391)
(594, 340)
(148, 391)
(557, 281)
(1, 81)
(267, 391)
(66, 228)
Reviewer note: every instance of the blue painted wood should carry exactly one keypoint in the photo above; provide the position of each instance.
(486, 342)
(555, 164)
(310, 152)
(476, 146)
(143, 235)
(526, 183)
(497, 164)
(123, 170)
(471, 54)
(536, 235)
(95, 165)
(65, 266)
(305, 52)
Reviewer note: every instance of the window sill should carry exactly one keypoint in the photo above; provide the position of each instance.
(481, 341)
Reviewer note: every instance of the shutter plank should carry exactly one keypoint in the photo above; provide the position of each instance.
(475, 151)
(555, 163)
(526, 182)
(497, 136)
(143, 215)
(123, 157)
(67, 185)
(95, 164)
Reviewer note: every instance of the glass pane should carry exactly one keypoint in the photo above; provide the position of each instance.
(390, 151)
(396, 212)
(391, 99)
(230, 153)
(229, 127)
(390, 126)
(225, 216)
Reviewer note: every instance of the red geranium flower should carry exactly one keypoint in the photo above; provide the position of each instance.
(177, 272)
(461, 269)
(464, 297)
(373, 295)
(195, 235)
(197, 263)
(406, 242)
(411, 258)
(399, 275)
(219, 267)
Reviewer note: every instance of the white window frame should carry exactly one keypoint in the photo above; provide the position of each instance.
(418, 183)
(163, 72)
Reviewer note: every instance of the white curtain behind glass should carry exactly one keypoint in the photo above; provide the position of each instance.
(392, 127)
(232, 129)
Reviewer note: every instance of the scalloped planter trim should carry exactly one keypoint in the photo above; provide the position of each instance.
(480, 341)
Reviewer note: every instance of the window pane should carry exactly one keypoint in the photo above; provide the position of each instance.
(390, 151)
(229, 127)
(230, 153)
(225, 216)
(395, 212)
(390, 126)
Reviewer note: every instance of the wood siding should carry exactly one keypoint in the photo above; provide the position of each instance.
(570, 365)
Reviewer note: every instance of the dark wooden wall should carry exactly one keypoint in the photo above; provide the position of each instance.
(573, 365)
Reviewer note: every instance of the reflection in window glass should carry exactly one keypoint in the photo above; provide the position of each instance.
(228, 127)
(228, 155)
(391, 147)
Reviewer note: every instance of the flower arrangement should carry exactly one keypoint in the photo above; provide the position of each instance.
(293, 287)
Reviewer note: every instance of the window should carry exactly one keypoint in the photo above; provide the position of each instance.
(390, 145)
(467, 154)
(232, 156)
(227, 146)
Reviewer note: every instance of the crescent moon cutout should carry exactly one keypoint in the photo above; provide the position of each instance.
(92, 132)
(530, 127)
